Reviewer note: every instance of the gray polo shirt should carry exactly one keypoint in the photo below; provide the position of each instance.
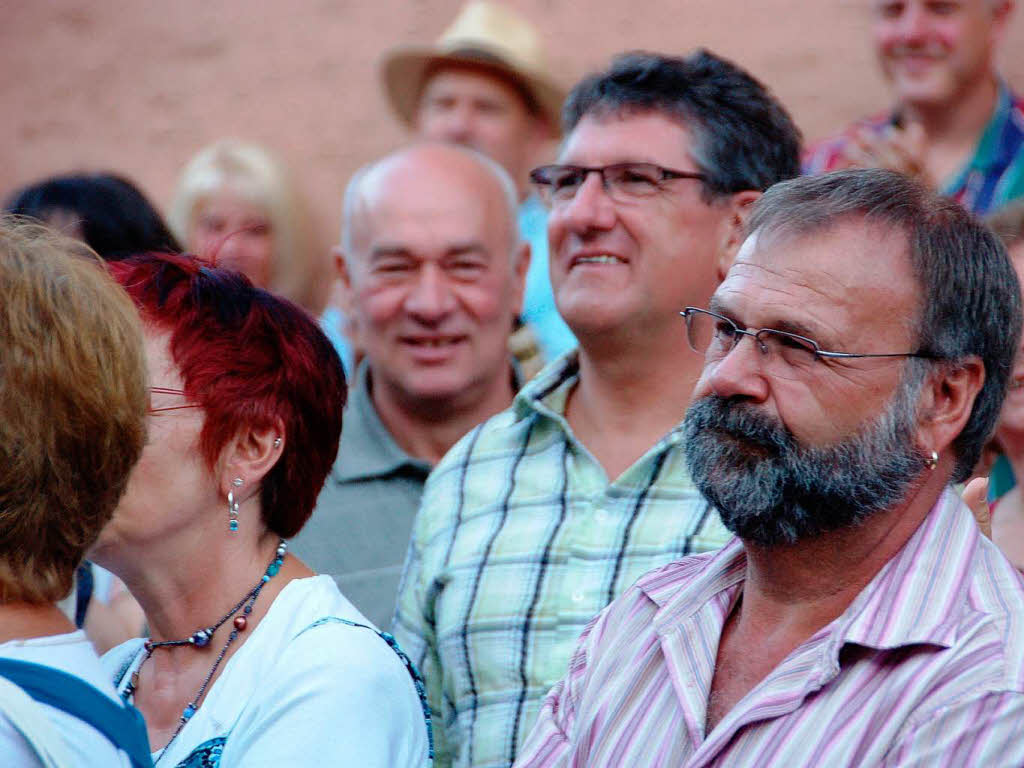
(359, 531)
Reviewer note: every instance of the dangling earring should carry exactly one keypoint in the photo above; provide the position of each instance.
(233, 507)
(932, 461)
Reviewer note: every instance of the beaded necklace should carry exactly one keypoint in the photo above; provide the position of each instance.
(202, 637)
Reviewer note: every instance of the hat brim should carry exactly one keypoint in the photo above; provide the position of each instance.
(405, 70)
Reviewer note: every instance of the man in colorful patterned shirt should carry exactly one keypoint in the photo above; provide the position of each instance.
(860, 618)
(545, 513)
(955, 124)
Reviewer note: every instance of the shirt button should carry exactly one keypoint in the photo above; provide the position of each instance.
(577, 596)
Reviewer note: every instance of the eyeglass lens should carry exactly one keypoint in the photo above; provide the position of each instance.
(714, 337)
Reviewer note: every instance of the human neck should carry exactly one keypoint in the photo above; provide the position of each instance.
(630, 395)
(426, 430)
(797, 590)
(20, 621)
(185, 588)
(957, 126)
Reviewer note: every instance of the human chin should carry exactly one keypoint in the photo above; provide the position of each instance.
(771, 490)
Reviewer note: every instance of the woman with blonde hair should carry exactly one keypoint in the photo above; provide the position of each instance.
(235, 204)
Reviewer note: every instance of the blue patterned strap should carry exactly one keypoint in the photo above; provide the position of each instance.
(123, 726)
(417, 678)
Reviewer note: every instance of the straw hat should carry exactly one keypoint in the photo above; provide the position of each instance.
(483, 33)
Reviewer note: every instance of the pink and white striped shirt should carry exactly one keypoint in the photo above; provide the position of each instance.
(924, 668)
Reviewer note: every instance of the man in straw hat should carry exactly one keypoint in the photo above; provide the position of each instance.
(485, 84)
(541, 516)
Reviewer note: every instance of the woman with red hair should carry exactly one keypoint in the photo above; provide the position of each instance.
(252, 659)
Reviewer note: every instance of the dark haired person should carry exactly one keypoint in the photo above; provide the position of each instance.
(535, 520)
(252, 659)
(107, 212)
(854, 362)
(72, 424)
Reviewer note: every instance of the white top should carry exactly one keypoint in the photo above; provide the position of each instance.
(299, 692)
(71, 653)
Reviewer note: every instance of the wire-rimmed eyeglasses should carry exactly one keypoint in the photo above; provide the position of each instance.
(625, 182)
(170, 391)
(714, 336)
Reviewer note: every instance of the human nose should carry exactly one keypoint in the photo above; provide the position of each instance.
(913, 23)
(740, 373)
(458, 124)
(430, 299)
(590, 207)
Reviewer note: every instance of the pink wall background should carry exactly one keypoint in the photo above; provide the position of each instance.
(139, 86)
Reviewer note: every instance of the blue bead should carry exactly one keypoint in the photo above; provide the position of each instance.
(273, 568)
(233, 525)
(265, 578)
(187, 712)
(201, 638)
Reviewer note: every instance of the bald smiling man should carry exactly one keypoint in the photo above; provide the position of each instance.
(433, 271)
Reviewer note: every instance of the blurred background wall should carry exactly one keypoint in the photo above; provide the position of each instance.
(137, 87)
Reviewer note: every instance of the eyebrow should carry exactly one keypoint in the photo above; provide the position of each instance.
(787, 326)
(384, 251)
(456, 249)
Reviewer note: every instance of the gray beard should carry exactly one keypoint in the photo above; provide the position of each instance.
(771, 490)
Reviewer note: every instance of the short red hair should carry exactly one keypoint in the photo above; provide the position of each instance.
(248, 358)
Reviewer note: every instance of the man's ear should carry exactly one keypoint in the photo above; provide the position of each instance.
(1001, 11)
(520, 266)
(249, 456)
(733, 228)
(947, 400)
(344, 279)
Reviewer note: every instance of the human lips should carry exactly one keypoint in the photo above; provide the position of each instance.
(432, 348)
(432, 341)
(916, 58)
(598, 258)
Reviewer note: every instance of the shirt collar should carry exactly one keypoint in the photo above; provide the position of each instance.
(548, 391)
(918, 597)
(367, 449)
(989, 150)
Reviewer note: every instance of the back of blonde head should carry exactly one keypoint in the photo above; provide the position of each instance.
(73, 399)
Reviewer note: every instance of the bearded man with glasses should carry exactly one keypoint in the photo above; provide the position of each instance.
(542, 515)
(854, 362)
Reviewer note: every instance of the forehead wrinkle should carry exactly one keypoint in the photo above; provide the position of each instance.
(786, 288)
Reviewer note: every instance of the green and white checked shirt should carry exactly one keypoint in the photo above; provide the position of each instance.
(520, 540)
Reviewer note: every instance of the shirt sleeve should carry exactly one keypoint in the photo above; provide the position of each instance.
(979, 731)
(550, 743)
(414, 628)
(342, 697)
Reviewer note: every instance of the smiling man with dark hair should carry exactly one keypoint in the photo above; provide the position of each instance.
(538, 518)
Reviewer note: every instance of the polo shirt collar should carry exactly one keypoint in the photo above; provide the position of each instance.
(367, 450)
